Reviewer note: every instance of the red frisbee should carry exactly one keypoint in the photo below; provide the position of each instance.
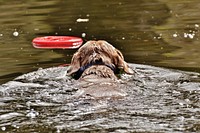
(56, 42)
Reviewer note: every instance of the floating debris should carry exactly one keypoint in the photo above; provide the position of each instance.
(83, 35)
(175, 35)
(3, 128)
(159, 37)
(32, 113)
(36, 29)
(82, 20)
(196, 25)
(15, 33)
(189, 35)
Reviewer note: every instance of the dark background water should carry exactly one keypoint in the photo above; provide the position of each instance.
(156, 32)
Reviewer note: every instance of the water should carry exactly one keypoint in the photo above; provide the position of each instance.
(157, 100)
(162, 33)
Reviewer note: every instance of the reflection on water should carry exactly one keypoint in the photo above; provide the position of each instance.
(182, 30)
(157, 32)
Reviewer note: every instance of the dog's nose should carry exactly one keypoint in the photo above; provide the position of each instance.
(98, 60)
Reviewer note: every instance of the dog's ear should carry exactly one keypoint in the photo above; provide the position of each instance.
(75, 64)
(122, 64)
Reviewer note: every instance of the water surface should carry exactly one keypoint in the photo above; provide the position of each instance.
(157, 32)
(161, 33)
(157, 100)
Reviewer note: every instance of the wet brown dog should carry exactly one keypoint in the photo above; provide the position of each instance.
(96, 65)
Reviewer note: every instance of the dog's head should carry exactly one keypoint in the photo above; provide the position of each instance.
(98, 52)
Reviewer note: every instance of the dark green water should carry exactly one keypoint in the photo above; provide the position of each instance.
(161, 33)
(157, 32)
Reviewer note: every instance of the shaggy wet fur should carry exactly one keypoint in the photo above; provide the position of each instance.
(96, 65)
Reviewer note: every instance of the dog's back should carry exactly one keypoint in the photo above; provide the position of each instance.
(98, 87)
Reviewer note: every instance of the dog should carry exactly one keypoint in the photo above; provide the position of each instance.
(96, 66)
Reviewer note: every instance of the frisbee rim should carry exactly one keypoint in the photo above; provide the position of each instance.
(57, 42)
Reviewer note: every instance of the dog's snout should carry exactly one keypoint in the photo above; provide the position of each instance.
(94, 54)
(98, 60)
